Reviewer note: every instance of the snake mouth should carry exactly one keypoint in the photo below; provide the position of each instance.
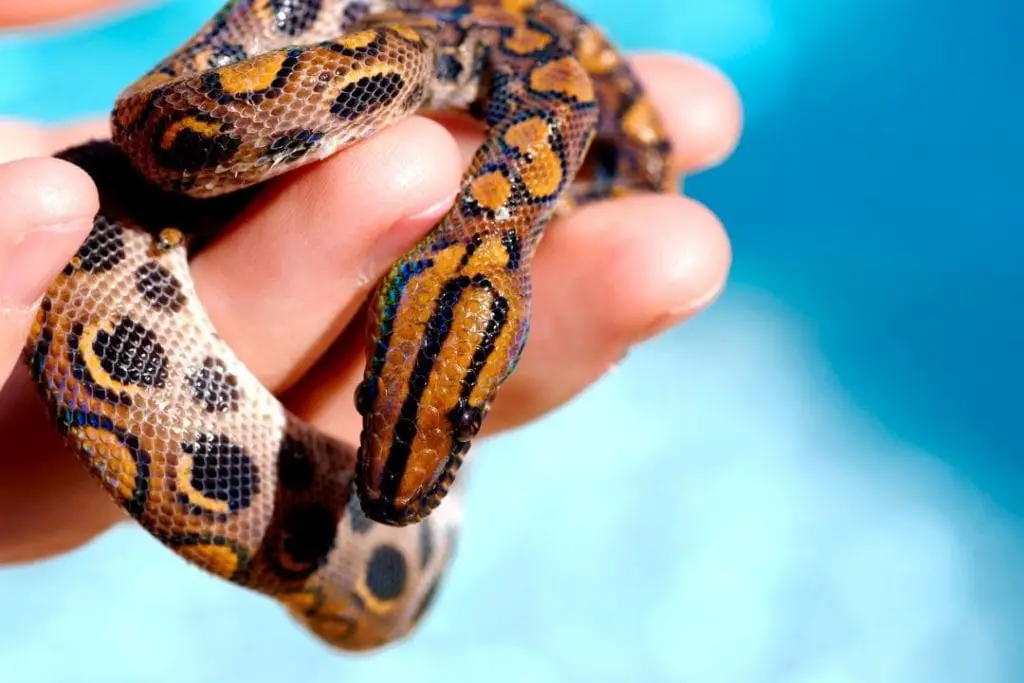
(386, 509)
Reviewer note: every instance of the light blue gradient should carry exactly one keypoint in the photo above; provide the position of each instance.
(818, 481)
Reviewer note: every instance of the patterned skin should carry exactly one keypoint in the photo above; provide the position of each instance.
(183, 437)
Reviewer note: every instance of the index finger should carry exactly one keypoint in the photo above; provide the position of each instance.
(699, 105)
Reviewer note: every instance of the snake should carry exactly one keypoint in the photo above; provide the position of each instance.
(353, 541)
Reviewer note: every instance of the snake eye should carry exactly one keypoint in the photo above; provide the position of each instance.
(365, 395)
(466, 422)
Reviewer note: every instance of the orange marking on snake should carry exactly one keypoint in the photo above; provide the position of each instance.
(94, 364)
(216, 559)
(407, 32)
(641, 123)
(565, 76)
(491, 190)
(110, 458)
(184, 483)
(358, 40)
(489, 258)
(594, 53)
(525, 40)
(252, 75)
(205, 128)
(518, 5)
(543, 175)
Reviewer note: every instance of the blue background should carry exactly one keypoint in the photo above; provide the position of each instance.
(829, 490)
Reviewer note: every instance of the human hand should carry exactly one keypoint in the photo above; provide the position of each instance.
(285, 284)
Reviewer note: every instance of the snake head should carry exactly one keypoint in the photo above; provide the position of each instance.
(444, 336)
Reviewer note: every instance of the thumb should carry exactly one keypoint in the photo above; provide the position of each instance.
(46, 211)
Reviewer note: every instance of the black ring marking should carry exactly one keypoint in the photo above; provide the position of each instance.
(222, 470)
(386, 573)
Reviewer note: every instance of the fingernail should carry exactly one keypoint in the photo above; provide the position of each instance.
(436, 210)
(679, 314)
(31, 261)
(397, 240)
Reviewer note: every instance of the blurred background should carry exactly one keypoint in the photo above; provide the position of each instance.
(829, 490)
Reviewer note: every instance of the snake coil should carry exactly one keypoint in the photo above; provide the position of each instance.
(169, 421)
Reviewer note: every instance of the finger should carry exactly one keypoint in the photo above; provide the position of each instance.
(598, 289)
(68, 135)
(699, 105)
(283, 282)
(47, 206)
(339, 196)
(48, 502)
(40, 11)
(602, 286)
(703, 118)
(50, 479)
(23, 139)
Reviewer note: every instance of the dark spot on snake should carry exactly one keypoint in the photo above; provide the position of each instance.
(353, 13)
(220, 21)
(447, 68)
(474, 243)
(41, 349)
(605, 158)
(309, 535)
(514, 249)
(496, 106)
(81, 372)
(366, 394)
(191, 151)
(140, 490)
(132, 355)
(291, 145)
(222, 470)
(229, 53)
(415, 96)
(159, 287)
(295, 468)
(102, 250)
(366, 95)
(292, 17)
(386, 573)
(214, 387)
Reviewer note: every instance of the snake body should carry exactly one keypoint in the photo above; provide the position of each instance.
(169, 421)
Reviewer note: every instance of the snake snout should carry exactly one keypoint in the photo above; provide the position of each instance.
(408, 460)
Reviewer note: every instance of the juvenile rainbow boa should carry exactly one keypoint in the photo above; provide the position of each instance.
(167, 418)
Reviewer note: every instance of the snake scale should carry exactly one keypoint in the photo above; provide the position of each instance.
(353, 542)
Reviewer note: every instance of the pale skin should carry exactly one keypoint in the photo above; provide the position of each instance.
(286, 283)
